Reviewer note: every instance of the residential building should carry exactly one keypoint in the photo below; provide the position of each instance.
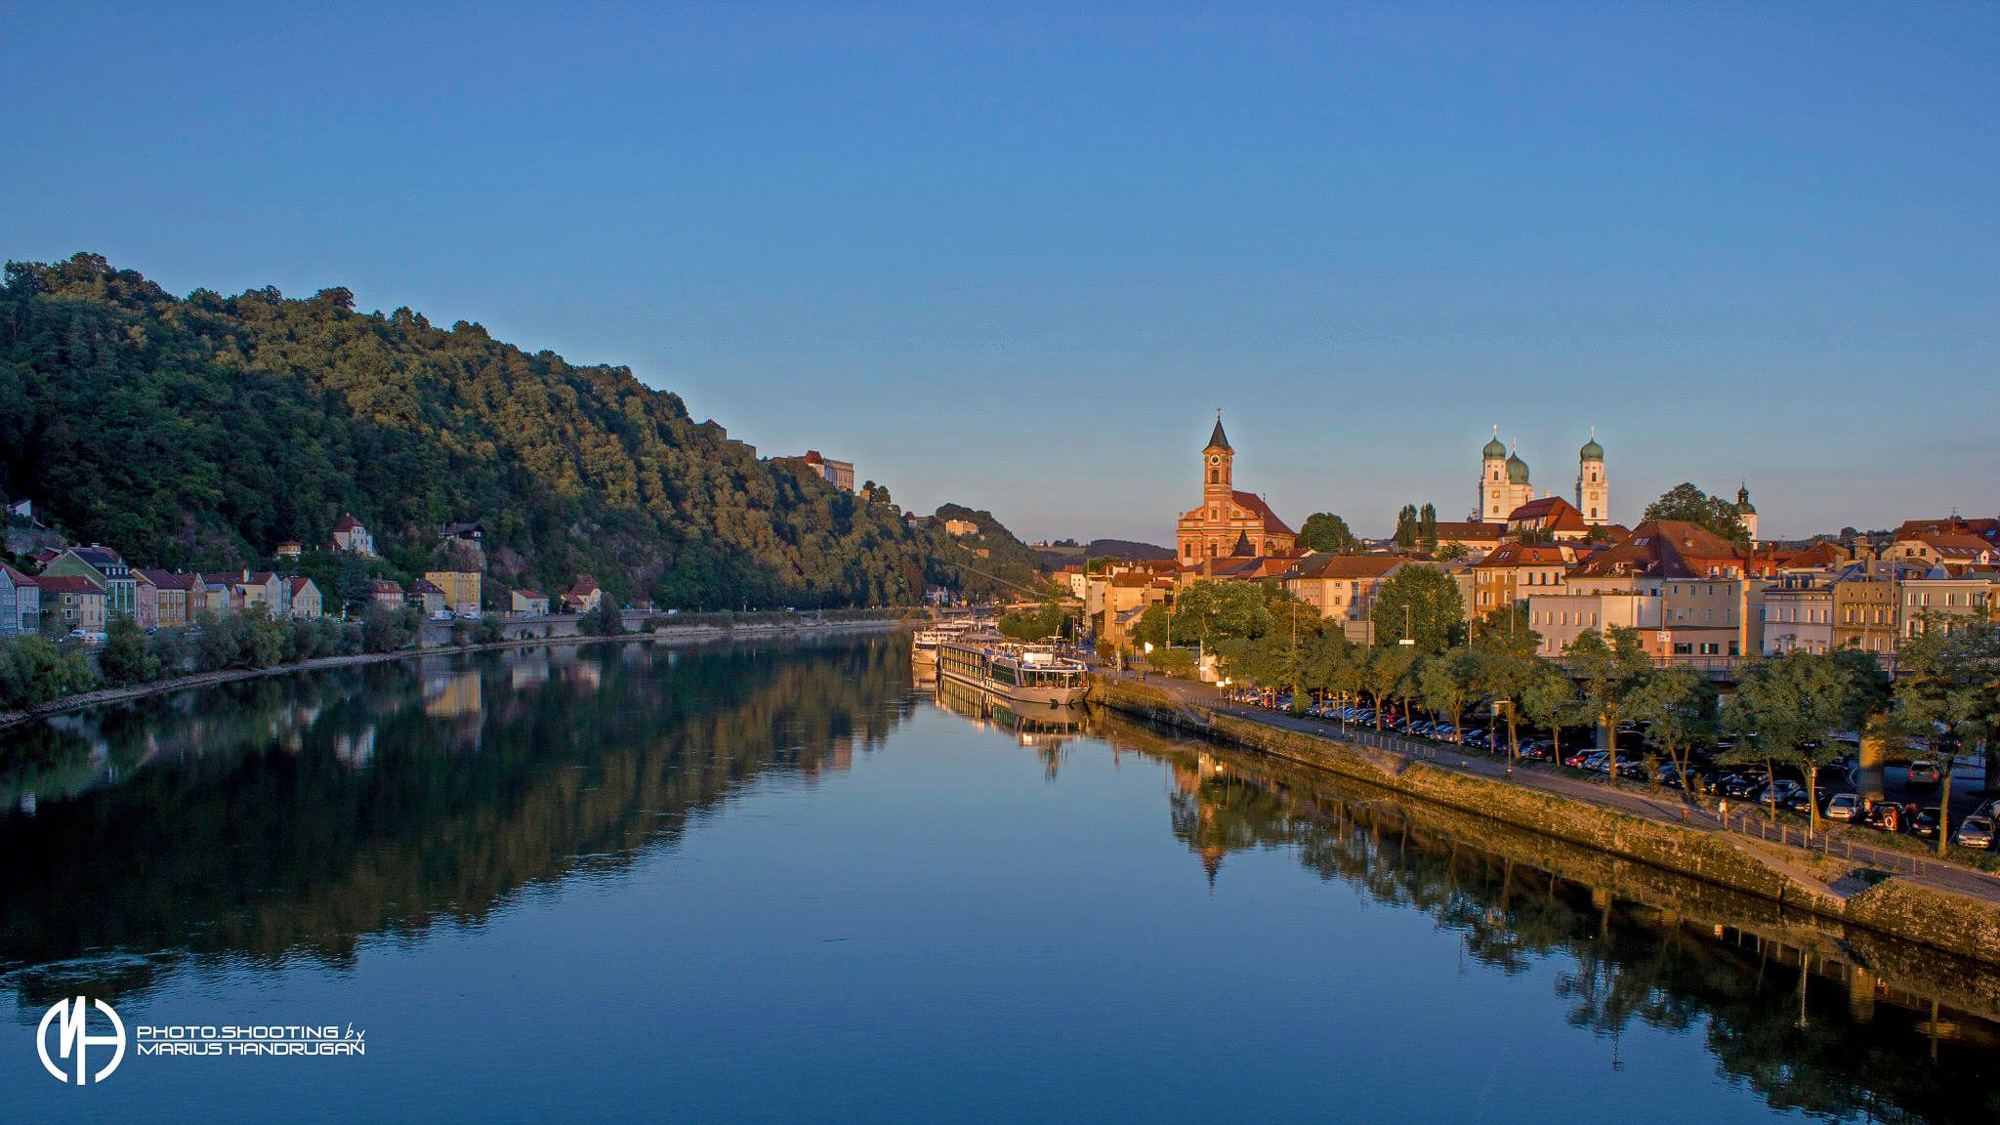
(305, 597)
(1941, 599)
(839, 474)
(1343, 588)
(223, 591)
(387, 593)
(1114, 600)
(1799, 616)
(106, 569)
(583, 597)
(1227, 514)
(289, 549)
(163, 599)
(1476, 536)
(1957, 550)
(20, 603)
(527, 602)
(1592, 603)
(1549, 518)
(77, 602)
(463, 533)
(1719, 617)
(461, 588)
(1512, 571)
(349, 534)
(426, 596)
(262, 590)
(1866, 598)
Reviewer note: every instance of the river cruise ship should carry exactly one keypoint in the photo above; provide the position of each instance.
(1020, 674)
(924, 646)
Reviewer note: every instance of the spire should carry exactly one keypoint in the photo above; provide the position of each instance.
(1218, 439)
(1494, 451)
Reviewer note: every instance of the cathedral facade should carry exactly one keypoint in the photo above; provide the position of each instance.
(1504, 486)
(1229, 522)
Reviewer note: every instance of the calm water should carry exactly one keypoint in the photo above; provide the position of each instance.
(781, 884)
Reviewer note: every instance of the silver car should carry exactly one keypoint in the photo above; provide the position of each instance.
(1843, 806)
(1974, 832)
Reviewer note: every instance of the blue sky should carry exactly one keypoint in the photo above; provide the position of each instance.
(1017, 258)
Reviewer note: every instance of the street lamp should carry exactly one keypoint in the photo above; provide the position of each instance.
(1407, 638)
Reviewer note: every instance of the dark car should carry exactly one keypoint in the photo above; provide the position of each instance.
(1925, 823)
(1924, 772)
(1891, 816)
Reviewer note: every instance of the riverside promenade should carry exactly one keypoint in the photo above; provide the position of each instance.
(1777, 844)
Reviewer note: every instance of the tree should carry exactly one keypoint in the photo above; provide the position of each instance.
(1552, 700)
(1435, 617)
(1405, 534)
(1608, 666)
(35, 670)
(1505, 667)
(1385, 674)
(1794, 706)
(1449, 683)
(1689, 504)
(1038, 624)
(1677, 706)
(601, 620)
(1324, 531)
(1452, 549)
(124, 659)
(1947, 693)
(1427, 528)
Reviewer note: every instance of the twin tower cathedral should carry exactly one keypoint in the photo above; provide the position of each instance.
(1503, 483)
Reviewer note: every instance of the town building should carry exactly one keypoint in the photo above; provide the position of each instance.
(1512, 572)
(77, 601)
(1226, 514)
(1548, 518)
(20, 603)
(304, 597)
(1114, 600)
(1503, 482)
(1587, 603)
(289, 549)
(106, 569)
(461, 588)
(426, 596)
(163, 599)
(959, 529)
(839, 474)
(1941, 600)
(349, 534)
(1866, 601)
(526, 602)
(387, 593)
(1342, 588)
(1799, 616)
(1477, 536)
(583, 597)
(1746, 513)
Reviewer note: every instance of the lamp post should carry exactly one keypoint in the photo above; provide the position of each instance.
(1407, 638)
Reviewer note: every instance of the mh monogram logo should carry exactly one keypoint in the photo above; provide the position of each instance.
(72, 1019)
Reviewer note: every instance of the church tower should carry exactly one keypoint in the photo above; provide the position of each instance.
(1593, 490)
(1217, 462)
(1492, 482)
(1746, 513)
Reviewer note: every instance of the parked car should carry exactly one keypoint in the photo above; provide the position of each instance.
(1891, 816)
(1974, 832)
(1925, 823)
(1843, 806)
(1538, 750)
(1923, 771)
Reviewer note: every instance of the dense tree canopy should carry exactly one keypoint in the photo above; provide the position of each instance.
(1324, 531)
(1686, 502)
(201, 432)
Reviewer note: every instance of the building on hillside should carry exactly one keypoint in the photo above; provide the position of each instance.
(1548, 518)
(387, 593)
(350, 535)
(221, 591)
(1798, 615)
(461, 588)
(1512, 572)
(1227, 514)
(1342, 588)
(583, 597)
(305, 598)
(261, 589)
(289, 549)
(462, 533)
(1476, 536)
(106, 569)
(163, 599)
(1593, 488)
(526, 602)
(1072, 577)
(959, 529)
(20, 603)
(839, 474)
(426, 596)
(79, 604)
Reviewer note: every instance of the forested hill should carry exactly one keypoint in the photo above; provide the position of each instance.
(201, 432)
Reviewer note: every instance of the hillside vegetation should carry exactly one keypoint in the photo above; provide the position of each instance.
(200, 432)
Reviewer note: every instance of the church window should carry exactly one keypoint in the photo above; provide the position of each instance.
(1215, 476)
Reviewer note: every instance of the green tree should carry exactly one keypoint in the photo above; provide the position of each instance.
(35, 670)
(1794, 706)
(1424, 601)
(1552, 700)
(124, 659)
(1450, 683)
(1039, 624)
(1689, 504)
(1385, 674)
(1947, 693)
(1677, 706)
(1405, 534)
(1427, 528)
(1608, 666)
(1324, 531)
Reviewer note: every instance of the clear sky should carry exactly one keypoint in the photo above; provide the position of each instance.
(1016, 259)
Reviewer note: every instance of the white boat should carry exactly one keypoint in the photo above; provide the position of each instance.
(924, 647)
(1020, 674)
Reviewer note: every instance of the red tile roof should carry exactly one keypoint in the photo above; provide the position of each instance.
(1255, 505)
(67, 584)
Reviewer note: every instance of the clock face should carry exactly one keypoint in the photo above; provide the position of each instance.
(1215, 459)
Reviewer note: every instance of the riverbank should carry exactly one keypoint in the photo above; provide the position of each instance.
(1952, 909)
(668, 634)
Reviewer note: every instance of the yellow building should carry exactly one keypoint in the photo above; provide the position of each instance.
(461, 590)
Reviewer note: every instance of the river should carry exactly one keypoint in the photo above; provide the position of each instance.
(781, 882)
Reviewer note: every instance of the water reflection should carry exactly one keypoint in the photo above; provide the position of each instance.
(293, 816)
(1818, 1018)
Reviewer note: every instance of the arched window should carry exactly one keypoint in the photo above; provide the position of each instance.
(1215, 476)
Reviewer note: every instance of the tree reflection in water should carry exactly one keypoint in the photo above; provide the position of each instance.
(1827, 1037)
(294, 816)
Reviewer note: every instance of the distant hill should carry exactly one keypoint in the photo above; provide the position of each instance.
(1127, 549)
(201, 432)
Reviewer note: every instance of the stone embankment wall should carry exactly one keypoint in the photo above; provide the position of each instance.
(1895, 905)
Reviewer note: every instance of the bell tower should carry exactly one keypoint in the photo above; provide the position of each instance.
(1216, 465)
